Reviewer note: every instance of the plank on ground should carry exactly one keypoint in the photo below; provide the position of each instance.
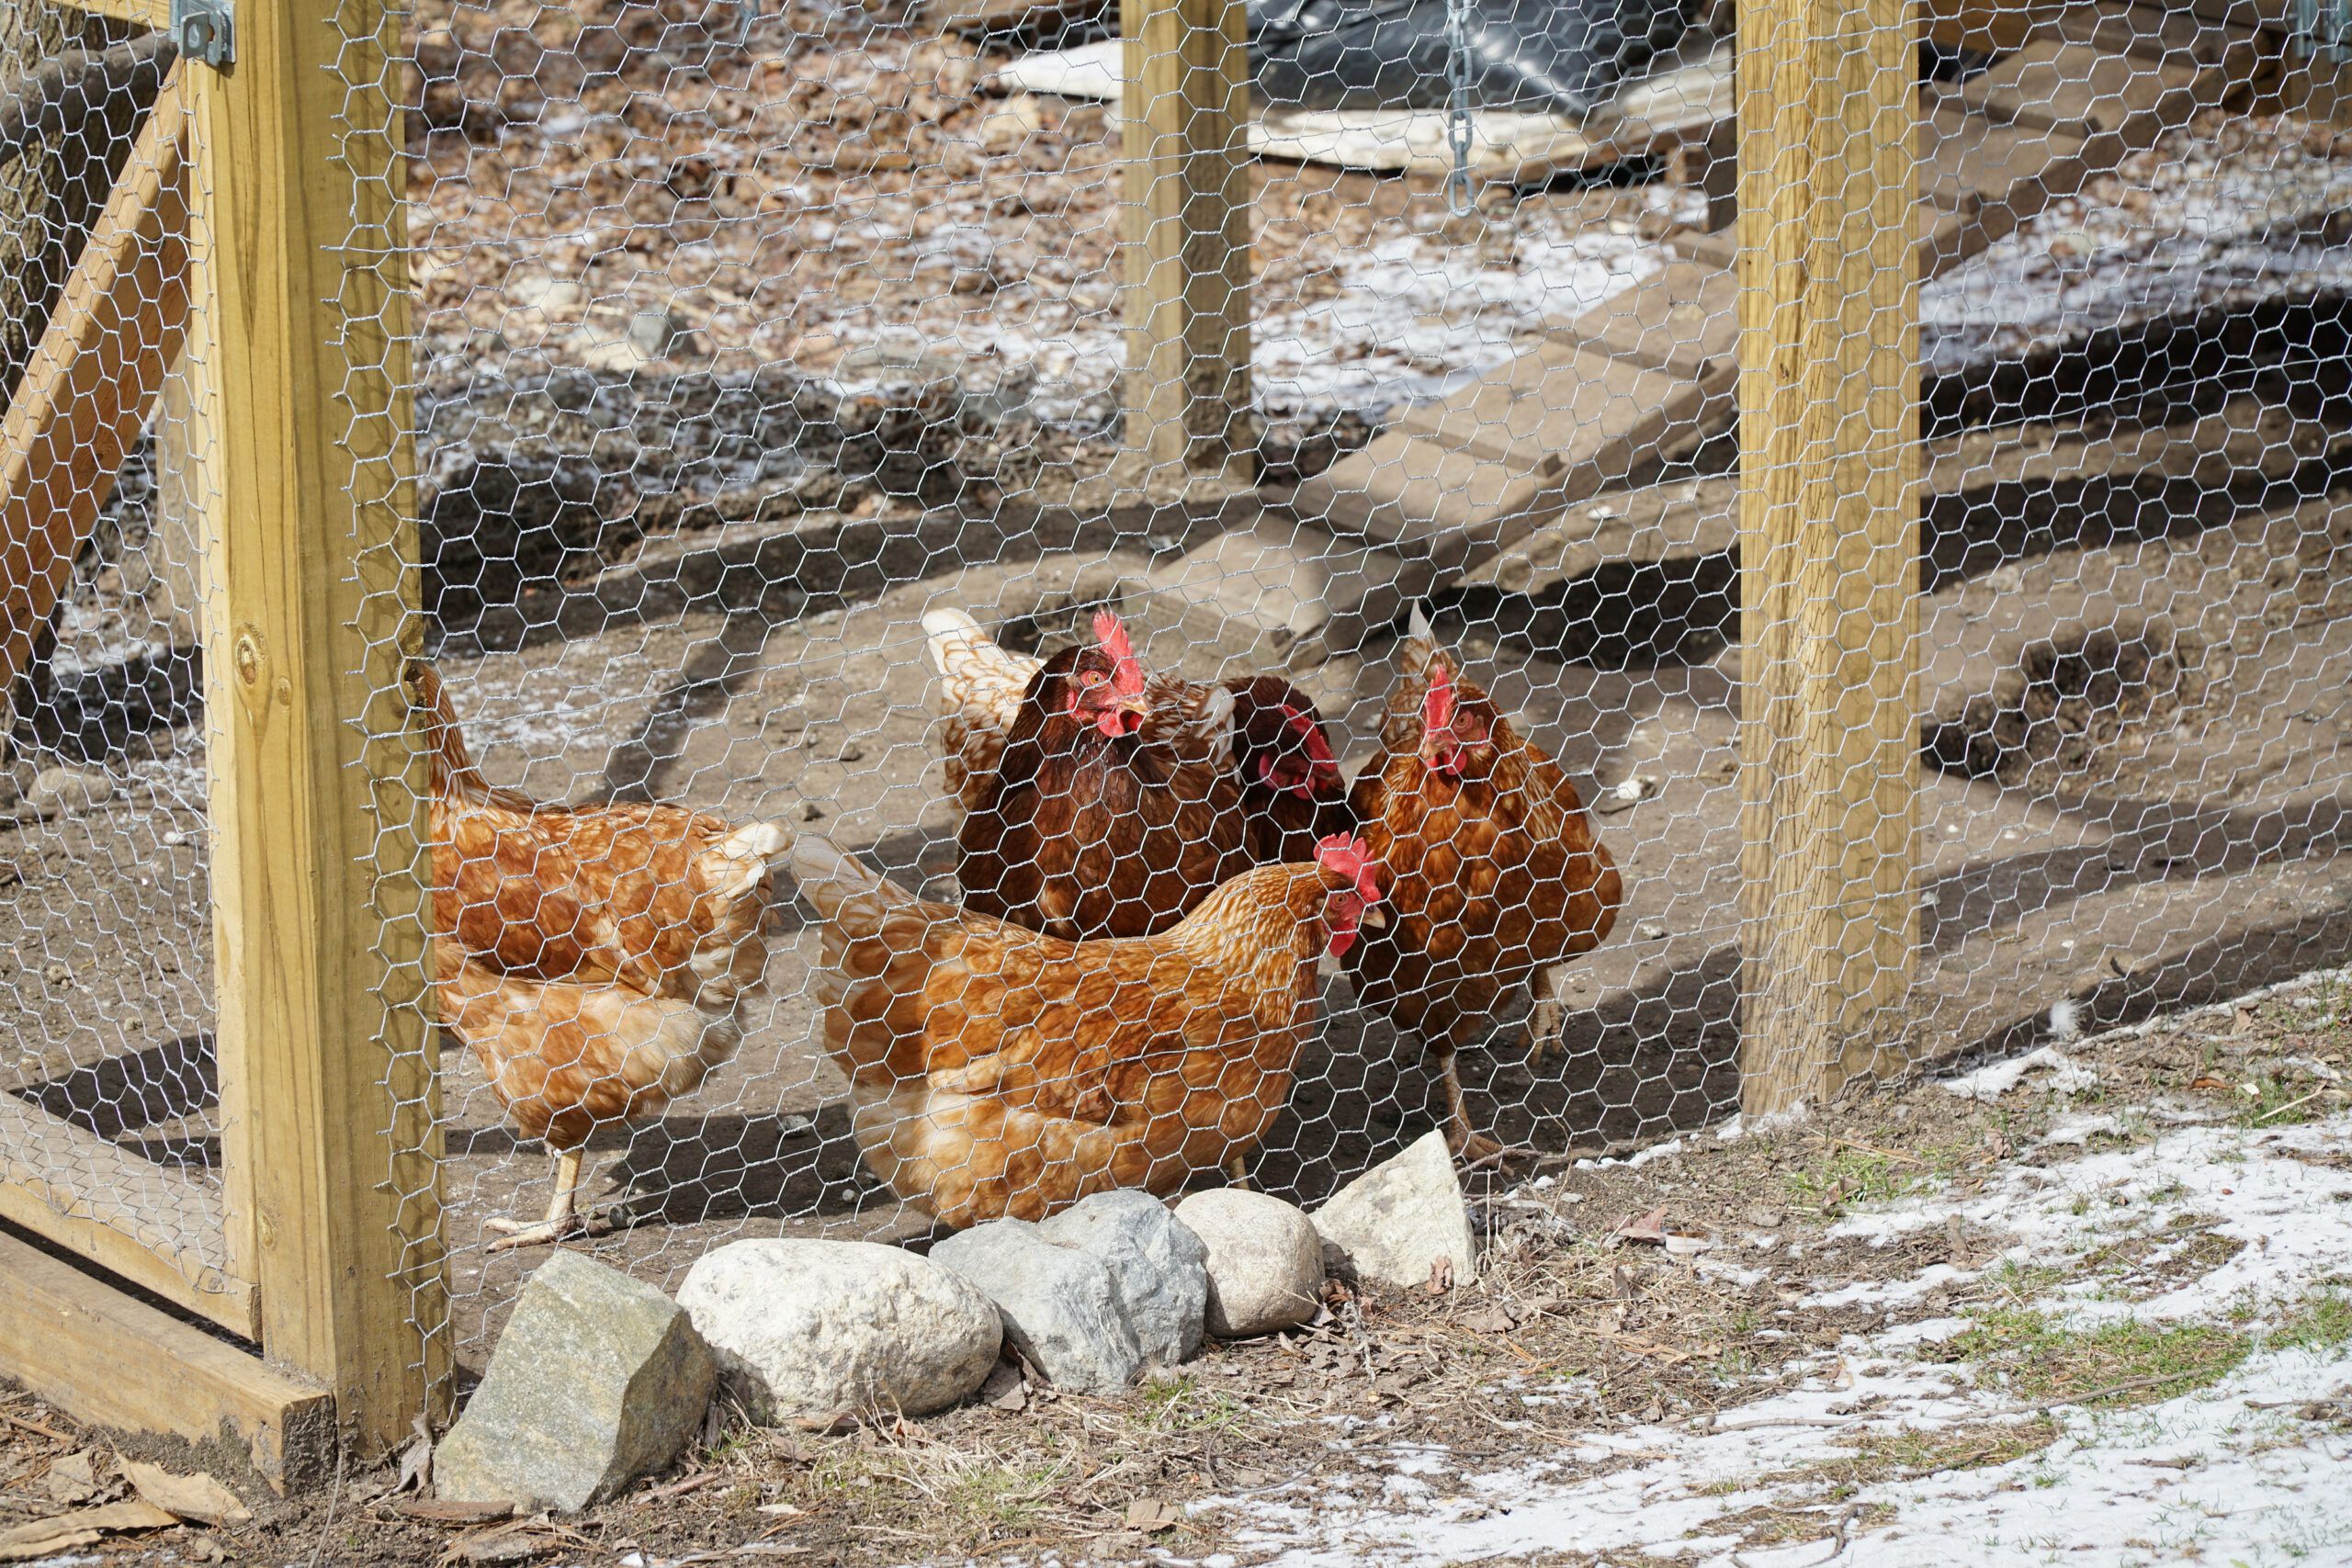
(109, 1360)
(162, 1231)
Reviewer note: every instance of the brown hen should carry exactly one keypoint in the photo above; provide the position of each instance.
(1495, 873)
(995, 1071)
(1088, 828)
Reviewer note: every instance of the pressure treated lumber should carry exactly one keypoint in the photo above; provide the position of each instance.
(317, 783)
(112, 1361)
(92, 377)
(156, 1227)
(1187, 212)
(1829, 542)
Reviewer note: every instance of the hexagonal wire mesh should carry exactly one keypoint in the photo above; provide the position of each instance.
(754, 348)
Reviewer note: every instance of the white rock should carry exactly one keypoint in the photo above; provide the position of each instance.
(1058, 1307)
(597, 1379)
(1159, 1275)
(1265, 1261)
(820, 1328)
(1393, 1223)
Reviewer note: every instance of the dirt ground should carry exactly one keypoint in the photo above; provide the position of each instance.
(1625, 1307)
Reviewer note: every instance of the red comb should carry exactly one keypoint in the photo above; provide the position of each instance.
(1310, 733)
(1112, 633)
(1351, 858)
(1437, 709)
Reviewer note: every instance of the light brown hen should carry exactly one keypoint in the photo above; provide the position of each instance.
(998, 1071)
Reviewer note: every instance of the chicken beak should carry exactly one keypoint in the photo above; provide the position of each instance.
(1376, 918)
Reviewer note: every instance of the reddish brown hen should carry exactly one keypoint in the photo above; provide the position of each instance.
(1088, 828)
(1271, 739)
(1495, 873)
(995, 1071)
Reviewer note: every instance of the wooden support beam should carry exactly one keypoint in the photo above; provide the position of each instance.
(138, 13)
(1829, 469)
(112, 1361)
(1187, 112)
(92, 377)
(317, 788)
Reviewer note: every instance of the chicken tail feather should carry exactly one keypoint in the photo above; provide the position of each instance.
(453, 765)
(977, 676)
(847, 894)
(736, 863)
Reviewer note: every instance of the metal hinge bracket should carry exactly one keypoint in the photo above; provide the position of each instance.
(205, 31)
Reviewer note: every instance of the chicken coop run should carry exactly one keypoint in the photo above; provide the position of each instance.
(565, 565)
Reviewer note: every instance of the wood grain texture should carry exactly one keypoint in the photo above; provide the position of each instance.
(1185, 118)
(109, 1360)
(91, 380)
(318, 787)
(1830, 466)
(156, 1227)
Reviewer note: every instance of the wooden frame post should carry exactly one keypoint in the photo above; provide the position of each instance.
(1187, 119)
(318, 786)
(1828, 536)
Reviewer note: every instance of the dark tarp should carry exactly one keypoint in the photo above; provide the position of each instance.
(1538, 56)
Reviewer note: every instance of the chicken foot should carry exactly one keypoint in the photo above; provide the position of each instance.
(563, 1210)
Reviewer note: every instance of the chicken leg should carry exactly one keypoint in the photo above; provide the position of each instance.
(1473, 1148)
(1237, 1172)
(563, 1210)
(1546, 1018)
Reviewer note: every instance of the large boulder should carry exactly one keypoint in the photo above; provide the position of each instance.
(1159, 1278)
(1265, 1261)
(1393, 1225)
(597, 1380)
(822, 1329)
(1057, 1302)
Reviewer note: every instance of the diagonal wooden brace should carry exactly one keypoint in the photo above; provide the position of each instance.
(93, 379)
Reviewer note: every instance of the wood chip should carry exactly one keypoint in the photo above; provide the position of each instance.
(453, 1511)
(72, 1479)
(198, 1497)
(46, 1538)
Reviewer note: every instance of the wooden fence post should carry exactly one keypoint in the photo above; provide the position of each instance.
(1187, 117)
(1829, 548)
(317, 780)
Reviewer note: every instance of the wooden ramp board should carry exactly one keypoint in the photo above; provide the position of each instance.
(157, 1228)
(1645, 376)
(1679, 100)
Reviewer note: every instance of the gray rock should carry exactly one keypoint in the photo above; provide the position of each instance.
(62, 791)
(598, 1378)
(1159, 1277)
(1265, 1261)
(1392, 1225)
(1059, 1305)
(822, 1329)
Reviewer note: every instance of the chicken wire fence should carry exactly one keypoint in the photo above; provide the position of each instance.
(1314, 563)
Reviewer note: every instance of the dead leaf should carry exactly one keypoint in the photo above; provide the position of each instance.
(72, 1479)
(1152, 1516)
(1005, 1389)
(1441, 1278)
(416, 1463)
(782, 1510)
(1490, 1320)
(2208, 1081)
(46, 1538)
(198, 1498)
(2244, 1023)
(1649, 1229)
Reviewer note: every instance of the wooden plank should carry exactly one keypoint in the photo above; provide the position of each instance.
(1992, 25)
(1681, 321)
(92, 376)
(162, 1231)
(112, 1361)
(317, 783)
(1187, 238)
(1829, 542)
